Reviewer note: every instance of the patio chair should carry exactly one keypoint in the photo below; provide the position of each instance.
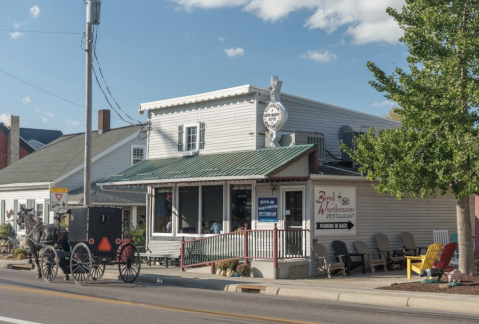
(447, 253)
(410, 244)
(342, 250)
(455, 238)
(392, 256)
(324, 264)
(440, 236)
(368, 258)
(424, 261)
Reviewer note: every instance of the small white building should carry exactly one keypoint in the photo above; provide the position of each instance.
(255, 156)
(27, 182)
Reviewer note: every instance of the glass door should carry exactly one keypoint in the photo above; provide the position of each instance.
(293, 211)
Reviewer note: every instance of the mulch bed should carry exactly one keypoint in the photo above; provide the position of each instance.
(470, 286)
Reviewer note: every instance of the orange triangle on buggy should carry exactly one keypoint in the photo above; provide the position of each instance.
(104, 245)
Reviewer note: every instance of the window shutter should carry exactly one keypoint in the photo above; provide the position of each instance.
(180, 138)
(15, 211)
(2, 210)
(46, 216)
(202, 136)
(30, 203)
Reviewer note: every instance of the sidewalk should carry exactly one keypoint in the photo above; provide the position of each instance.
(357, 288)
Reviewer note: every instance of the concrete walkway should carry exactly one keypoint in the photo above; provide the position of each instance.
(357, 288)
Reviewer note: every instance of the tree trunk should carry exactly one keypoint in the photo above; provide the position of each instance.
(467, 263)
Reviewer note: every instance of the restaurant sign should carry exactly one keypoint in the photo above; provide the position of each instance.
(268, 209)
(334, 211)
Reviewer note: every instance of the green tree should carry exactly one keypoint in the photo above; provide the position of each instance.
(393, 114)
(436, 148)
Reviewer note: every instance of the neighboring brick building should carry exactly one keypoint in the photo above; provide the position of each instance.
(16, 142)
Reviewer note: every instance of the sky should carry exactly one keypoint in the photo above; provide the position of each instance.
(151, 50)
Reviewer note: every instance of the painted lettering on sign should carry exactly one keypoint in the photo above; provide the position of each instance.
(335, 210)
(268, 209)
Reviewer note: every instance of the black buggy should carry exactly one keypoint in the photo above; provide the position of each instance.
(94, 240)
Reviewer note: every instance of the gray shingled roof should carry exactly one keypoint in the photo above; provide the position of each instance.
(60, 156)
(99, 196)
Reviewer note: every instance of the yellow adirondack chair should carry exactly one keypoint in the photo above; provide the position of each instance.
(426, 261)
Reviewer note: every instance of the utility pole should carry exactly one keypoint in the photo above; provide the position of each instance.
(92, 18)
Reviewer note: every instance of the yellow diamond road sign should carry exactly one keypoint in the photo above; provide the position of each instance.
(58, 198)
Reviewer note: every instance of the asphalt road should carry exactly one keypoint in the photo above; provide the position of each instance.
(26, 300)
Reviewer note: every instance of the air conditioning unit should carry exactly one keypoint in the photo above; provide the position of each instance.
(347, 136)
(303, 139)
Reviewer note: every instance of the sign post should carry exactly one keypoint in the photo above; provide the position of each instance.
(58, 198)
(334, 211)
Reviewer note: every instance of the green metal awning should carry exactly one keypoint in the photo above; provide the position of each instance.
(257, 164)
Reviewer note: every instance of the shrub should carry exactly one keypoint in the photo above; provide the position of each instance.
(137, 236)
(222, 265)
(6, 230)
(21, 250)
(233, 263)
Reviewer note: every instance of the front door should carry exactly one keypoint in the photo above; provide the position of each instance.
(293, 211)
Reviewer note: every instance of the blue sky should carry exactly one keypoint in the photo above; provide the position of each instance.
(157, 49)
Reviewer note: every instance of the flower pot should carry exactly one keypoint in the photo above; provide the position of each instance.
(218, 272)
(223, 273)
(21, 257)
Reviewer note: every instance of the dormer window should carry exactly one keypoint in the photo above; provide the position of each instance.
(191, 137)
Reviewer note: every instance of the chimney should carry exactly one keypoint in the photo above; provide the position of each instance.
(13, 142)
(103, 121)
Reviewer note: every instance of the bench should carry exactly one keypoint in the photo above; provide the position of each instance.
(163, 250)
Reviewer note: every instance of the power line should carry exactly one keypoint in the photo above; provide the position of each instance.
(38, 31)
(49, 93)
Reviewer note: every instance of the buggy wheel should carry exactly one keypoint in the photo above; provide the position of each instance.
(81, 264)
(97, 271)
(49, 263)
(129, 263)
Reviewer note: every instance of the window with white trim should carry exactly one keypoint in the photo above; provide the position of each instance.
(191, 137)
(39, 211)
(137, 154)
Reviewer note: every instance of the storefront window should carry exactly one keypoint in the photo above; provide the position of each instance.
(240, 207)
(162, 222)
(39, 212)
(212, 209)
(188, 209)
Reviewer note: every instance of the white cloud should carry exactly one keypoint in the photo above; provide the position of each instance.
(221, 39)
(44, 120)
(37, 111)
(232, 52)
(366, 20)
(72, 122)
(34, 11)
(322, 56)
(16, 25)
(4, 118)
(383, 103)
(15, 35)
(48, 113)
(26, 100)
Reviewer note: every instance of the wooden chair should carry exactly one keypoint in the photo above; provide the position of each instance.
(387, 253)
(441, 236)
(424, 261)
(324, 264)
(341, 249)
(447, 254)
(410, 244)
(368, 258)
(455, 238)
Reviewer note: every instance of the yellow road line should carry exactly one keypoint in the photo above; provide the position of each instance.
(169, 308)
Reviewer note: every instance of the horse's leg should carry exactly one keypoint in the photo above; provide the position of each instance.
(30, 257)
(34, 252)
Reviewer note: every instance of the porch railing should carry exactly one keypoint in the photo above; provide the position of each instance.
(247, 244)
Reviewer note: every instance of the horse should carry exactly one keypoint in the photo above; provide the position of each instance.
(38, 235)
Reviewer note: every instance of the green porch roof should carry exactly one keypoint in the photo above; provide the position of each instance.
(257, 164)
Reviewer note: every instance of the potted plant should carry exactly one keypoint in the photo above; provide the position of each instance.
(232, 264)
(243, 270)
(20, 253)
(221, 267)
(5, 230)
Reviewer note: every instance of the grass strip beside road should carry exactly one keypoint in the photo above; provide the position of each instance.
(153, 306)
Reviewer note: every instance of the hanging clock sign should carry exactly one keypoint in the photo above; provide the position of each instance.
(275, 116)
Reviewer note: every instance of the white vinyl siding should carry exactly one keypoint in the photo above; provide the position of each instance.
(385, 214)
(306, 116)
(229, 126)
(112, 163)
(21, 197)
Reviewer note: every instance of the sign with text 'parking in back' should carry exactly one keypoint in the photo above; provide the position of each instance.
(58, 198)
(334, 211)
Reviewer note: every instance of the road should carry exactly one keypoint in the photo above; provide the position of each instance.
(26, 300)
